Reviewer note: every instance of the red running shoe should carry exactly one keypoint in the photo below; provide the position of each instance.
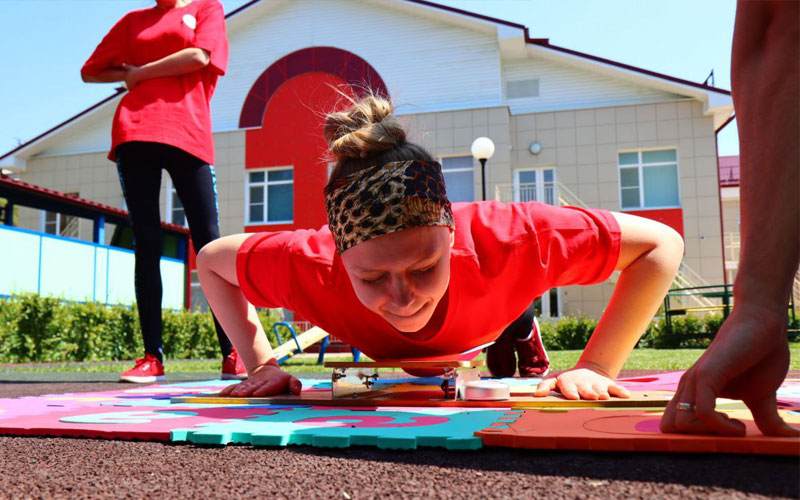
(533, 360)
(147, 370)
(233, 368)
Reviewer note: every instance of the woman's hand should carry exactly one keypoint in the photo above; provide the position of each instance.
(266, 380)
(582, 382)
(184, 61)
(132, 75)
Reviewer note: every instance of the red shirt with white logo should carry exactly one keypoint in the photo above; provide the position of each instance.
(170, 110)
(504, 256)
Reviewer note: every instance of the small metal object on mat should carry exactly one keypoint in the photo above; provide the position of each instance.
(486, 390)
(456, 375)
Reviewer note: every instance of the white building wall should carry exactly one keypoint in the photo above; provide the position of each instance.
(92, 135)
(582, 146)
(230, 171)
(426, 64)
(565, 87)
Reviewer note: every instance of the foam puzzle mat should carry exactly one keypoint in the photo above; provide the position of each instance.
(626, 430)
(148, 413)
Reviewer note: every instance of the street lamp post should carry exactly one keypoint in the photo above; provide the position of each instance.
(482, 150)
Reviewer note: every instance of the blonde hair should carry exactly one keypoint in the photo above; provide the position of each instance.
(366, 134)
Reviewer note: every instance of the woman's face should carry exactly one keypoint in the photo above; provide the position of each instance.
(402, 276)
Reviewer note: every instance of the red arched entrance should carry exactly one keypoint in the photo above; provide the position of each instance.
(288, 104)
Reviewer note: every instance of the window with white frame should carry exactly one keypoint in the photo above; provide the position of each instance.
(458, 178)
(270, 196)
(51, 222)
(60, 224)
(535, 184)
(649, 179)
(175, 212)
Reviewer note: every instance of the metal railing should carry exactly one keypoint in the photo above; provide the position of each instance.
(528, 191)
(567, 197)
(549, 192)
(71, 229)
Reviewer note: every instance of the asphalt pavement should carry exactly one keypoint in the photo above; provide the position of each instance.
(33, 467)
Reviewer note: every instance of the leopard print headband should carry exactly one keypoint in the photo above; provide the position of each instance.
(383, 199)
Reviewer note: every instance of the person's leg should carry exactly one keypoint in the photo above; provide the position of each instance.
(532, 359)
(196, 185)
(522, 336)
(520, 328)
(500, 356)
(140, 177)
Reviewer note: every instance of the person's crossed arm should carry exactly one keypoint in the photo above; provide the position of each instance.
(184, 61)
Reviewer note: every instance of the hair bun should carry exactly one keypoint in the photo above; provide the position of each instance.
(365, 129)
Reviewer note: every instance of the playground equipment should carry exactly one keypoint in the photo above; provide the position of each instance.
(299, 343)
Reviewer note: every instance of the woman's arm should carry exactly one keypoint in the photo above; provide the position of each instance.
(107, 76)
(650, 254)
(181, 62)
(216, 267)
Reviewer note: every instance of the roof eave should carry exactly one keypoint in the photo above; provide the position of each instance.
(25, 150)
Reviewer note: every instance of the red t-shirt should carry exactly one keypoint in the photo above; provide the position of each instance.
(171, 110)
(504, 256)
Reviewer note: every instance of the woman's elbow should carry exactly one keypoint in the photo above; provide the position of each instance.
(673, 245)
(201, 58)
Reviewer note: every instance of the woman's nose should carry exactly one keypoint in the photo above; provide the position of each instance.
(401, 293)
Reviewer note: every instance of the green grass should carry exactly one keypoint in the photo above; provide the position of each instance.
(640, 359)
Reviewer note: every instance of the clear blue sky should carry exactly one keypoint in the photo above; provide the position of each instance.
(43, 44)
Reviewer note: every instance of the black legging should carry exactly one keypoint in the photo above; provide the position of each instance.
(521, 327)
(139, 165)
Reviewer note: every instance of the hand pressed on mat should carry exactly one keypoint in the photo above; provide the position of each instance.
(747, 360)
(582, 382)
(266, 380)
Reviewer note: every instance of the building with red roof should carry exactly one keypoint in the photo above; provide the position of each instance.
(568, 127)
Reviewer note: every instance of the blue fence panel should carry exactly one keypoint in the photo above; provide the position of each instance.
(71, 269)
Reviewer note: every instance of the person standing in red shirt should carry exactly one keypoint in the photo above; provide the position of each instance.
(401, 274)
(170, 57)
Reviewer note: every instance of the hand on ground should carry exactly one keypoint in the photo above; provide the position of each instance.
(747, 360)
(582, 383)
(266, 380)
